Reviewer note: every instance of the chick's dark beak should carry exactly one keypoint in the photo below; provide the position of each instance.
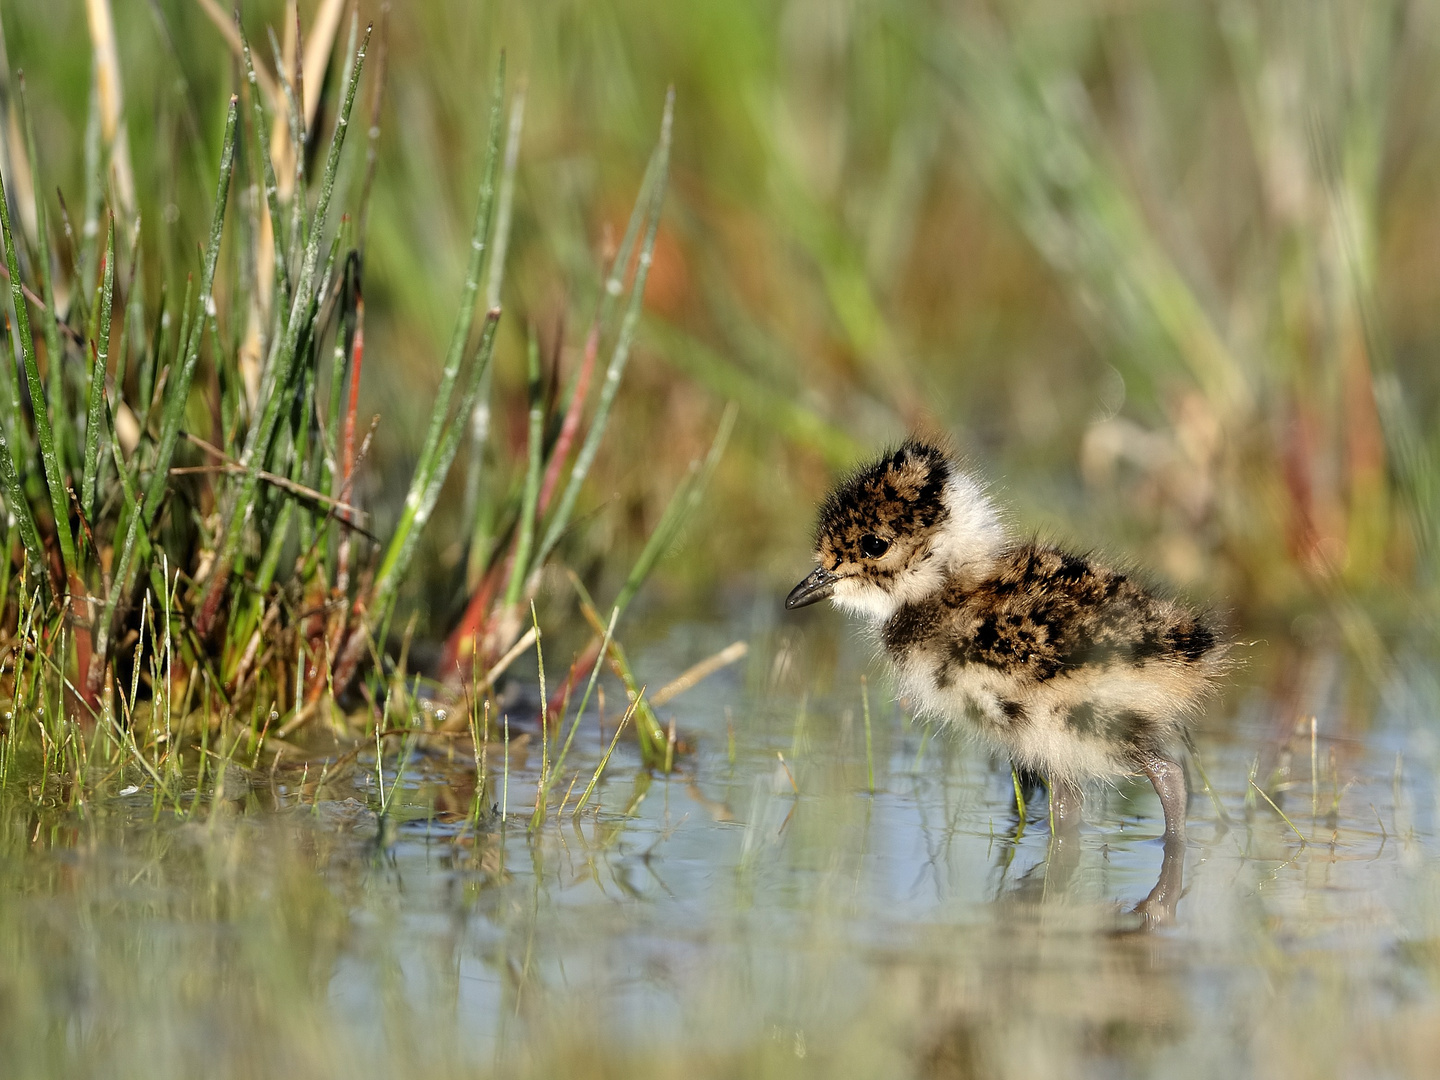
(818, 586)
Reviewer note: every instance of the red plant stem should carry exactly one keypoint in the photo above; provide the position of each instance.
(580, 669)
(336, 634)
(357, 354)
(476, 615)
(85, 656)
(347, 468)
(477, 611)
(210, 609)
(571, 425)
(555, 713)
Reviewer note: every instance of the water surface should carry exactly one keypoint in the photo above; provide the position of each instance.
(761, 912)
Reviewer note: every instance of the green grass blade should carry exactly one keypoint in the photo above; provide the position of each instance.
(429, 465)
(682, 504)
(585, 699)
(614, 285)
(402, 546)
(297, 142)
(270, 562)
(132, 346)
(347, 327)
(301, 456)
(600, 769)
(19, 507)
(54, 355)
(159, 365)
(479, 245)
(101, 353)
(54, 478)
(150, 356)
(532, 475)
(94, 193)
(177, 392)
(450, 444)
(96, 676)
(480, 415)
(272, 185)
(654, 746)
(621, 354)
(12, 410)
(260, 437)
(127, 472)
(303, 297)
(504, 208)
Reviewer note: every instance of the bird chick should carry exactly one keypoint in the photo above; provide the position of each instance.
(1068, 666)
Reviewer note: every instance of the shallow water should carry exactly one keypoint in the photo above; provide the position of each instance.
(753, 916)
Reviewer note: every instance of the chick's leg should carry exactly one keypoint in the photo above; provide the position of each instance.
(1169, 781)
(1065, 801)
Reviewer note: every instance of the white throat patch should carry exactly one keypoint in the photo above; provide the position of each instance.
(968, 542)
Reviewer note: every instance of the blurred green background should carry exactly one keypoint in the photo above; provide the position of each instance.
(1164, 271)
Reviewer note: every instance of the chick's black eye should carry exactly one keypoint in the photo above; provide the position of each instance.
(872, 547)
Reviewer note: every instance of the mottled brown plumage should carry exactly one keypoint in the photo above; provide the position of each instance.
(1071, 667)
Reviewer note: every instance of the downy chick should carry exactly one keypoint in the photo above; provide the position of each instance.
(1068, 666)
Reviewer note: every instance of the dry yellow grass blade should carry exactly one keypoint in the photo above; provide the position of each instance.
(694, 674)
(17, 175)
(223, 22)
(319, 45)
(112, 118)
(13, 155)
(250, 347)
